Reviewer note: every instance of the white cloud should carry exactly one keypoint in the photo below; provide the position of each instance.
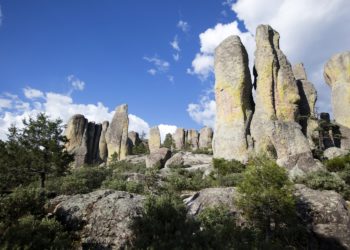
(202, 64)
(165, 129)
(203, 112)
(183, 25)
(175, 44)
(31, 93)
(5, 103)
(61, 106)
(77, 84)
(152, 71)
(160, 66)
(171, 78)
(176, 57)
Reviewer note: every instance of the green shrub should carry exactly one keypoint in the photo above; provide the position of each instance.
(225, 167)
(80, 181)
(22, 201)
(206, 151)
(140, 149)
(31, 233)
(127, 167)
(345, 175)
(164, 225)
(121, 184)
(323, 180)
(338, 163)
(266, 199)
(181, 179)
(228, 180)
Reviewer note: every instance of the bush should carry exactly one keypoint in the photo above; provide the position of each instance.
(164, 225)
(80, 181)
(225, 167)
(267, 201)
(127, 167)
(338, 163)
(206, 151)
(121, 184)
(181, 179)
(31, 233)
(140, 149)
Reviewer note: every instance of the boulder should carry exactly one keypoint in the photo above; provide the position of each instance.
(177, 160)
(117, 133)
(205, 138)
(308, 97)
(136, 159)
(192, 139)
(102, 146)
(337, 76)
(326, 214)
(102, 218)
(334, 152)
(211, 198)
(179, 138)
(154, 139)
(234, 101)
(157, 158)
(277, 93)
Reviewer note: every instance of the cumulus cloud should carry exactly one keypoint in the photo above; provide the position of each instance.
(77, 84)
(31, 93)
(202, 64)
(203, 112)
(160, 66)
(183, 25)
(311, 32)
(57, 105)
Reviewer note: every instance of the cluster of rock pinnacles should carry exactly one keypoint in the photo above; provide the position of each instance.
(279, 121)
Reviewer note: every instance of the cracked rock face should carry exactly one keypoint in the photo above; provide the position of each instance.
(205, 138)
(117, 133)
(101, 218)
(337, 76)
(234, 102)
(192, 139)
(179, 138)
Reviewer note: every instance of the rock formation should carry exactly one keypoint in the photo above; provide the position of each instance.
(83, 140)
(179, 138)
(192, 139)
(308, 97)
(157, 158)
(234, 102)
(117, 133)
(205, 138)
(103, 151)
(337, 76)
(154, 139)
(133, 140)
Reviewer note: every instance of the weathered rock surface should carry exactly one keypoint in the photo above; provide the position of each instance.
(117, 133)
(345, 137)
(102, 147)
(234, 102)
(157, 158)
(333, 152)
(337, 76)
(136, 159)
(308, 97)
(210, 198)
(326, 213)
(276, 89)
(177, 160)
(179, 138)
(205, 138)
(192, 139)
(154, 139)
(102, 218)
(83, 140)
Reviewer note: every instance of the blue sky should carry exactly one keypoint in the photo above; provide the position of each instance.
(79, 53)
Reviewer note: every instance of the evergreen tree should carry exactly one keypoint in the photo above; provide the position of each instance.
(168, 142)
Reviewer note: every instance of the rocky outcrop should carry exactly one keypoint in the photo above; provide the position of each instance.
(157, 158)
(102, 146)
(326, 214)
(192, 139)
(234, 102)
(133, 140)
(179, 138)
(117, 133)
(177, 160)
(205, 138)
(337, 76)
(308, 97)
(83, 140)
(102, 218)
(154, 139)
(334, 152)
